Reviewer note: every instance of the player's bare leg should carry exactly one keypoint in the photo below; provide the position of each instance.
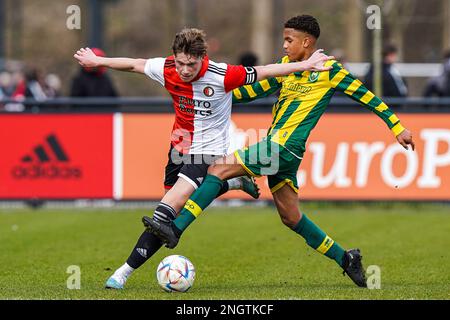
(286, 201)
(222, 169)
(147, 244)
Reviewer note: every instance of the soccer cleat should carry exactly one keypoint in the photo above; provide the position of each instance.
(354, 268)
(163, 230)
(113, 283)
(249, 186)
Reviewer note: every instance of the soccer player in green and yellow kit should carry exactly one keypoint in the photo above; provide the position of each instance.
(303, 99)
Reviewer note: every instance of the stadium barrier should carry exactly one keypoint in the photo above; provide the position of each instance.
(122, 155)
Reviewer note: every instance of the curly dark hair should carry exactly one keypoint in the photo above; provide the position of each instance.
(305, 23)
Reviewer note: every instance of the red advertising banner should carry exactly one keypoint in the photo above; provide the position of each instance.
(56, 156)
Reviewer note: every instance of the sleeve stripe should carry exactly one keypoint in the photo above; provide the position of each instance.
(250, 91)
(397, 129)
(345, 83)
(353, 87)
(394, 119)
(360, 92)
(338, 77)
(237, 93)
(335, 70)
(217, 70)
(382, 107)
(367, 97)
(265, 85)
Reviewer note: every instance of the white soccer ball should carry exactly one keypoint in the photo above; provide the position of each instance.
(175, 273)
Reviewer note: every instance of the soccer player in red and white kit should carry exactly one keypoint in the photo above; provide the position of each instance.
(201, 91)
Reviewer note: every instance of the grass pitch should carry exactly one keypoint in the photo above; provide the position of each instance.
(239, 253)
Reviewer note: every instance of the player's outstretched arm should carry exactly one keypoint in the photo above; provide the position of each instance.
(341, 80)
(260, 89)
(87, 58)
(314, 63)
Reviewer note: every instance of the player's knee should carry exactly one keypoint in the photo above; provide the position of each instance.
(217, 170)
(289, 221)
(290, 216)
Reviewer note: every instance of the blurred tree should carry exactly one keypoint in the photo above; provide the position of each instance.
(16, 30)
(189, 9)
(278, 11)
(95, 25)
(354, 25)
(2, 29)
(261, 32)
(172, 25)
(446, 24)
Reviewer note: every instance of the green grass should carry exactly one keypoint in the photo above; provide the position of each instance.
(239, 253)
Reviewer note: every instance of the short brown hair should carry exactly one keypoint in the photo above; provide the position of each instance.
(190, 41)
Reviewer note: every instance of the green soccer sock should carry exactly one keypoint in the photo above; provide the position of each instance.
(318, 240)
(199, 200)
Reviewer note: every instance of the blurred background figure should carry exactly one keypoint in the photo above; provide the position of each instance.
(52, 85)
(393, 83)
(248, 59)
(440, 85)
(6, 84)
(29, 86)
(93, 82)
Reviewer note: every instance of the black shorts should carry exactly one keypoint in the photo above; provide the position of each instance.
(191, 167)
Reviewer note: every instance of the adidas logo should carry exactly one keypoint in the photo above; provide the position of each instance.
(142, 252)
(47, 161)
(42, 155)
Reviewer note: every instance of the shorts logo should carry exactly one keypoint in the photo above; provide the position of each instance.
(208, 91)
(313, 76)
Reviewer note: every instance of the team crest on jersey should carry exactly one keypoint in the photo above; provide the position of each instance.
(313, 76)
(208, 91)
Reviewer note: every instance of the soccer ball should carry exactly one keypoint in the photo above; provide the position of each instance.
(175, 273)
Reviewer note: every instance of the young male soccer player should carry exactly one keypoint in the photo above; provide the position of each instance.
(303, 99)
(202, 96)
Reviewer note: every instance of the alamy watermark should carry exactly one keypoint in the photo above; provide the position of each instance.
(373, 21)
(74, 280)
(197, 147)
(373, 274)
(73, 22)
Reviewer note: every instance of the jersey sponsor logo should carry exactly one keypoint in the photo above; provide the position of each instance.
(299, 88)
(48, 161)
(190, 110)
(313, 76)
(208, 91)
(189, 106)
(195, 103)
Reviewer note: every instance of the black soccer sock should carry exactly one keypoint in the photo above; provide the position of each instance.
(148, 243)
(224, 189)
(145, 247)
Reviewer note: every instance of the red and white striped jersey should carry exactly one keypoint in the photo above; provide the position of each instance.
(202, 106)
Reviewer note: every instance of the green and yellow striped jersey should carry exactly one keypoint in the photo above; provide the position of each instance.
(303, 99)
